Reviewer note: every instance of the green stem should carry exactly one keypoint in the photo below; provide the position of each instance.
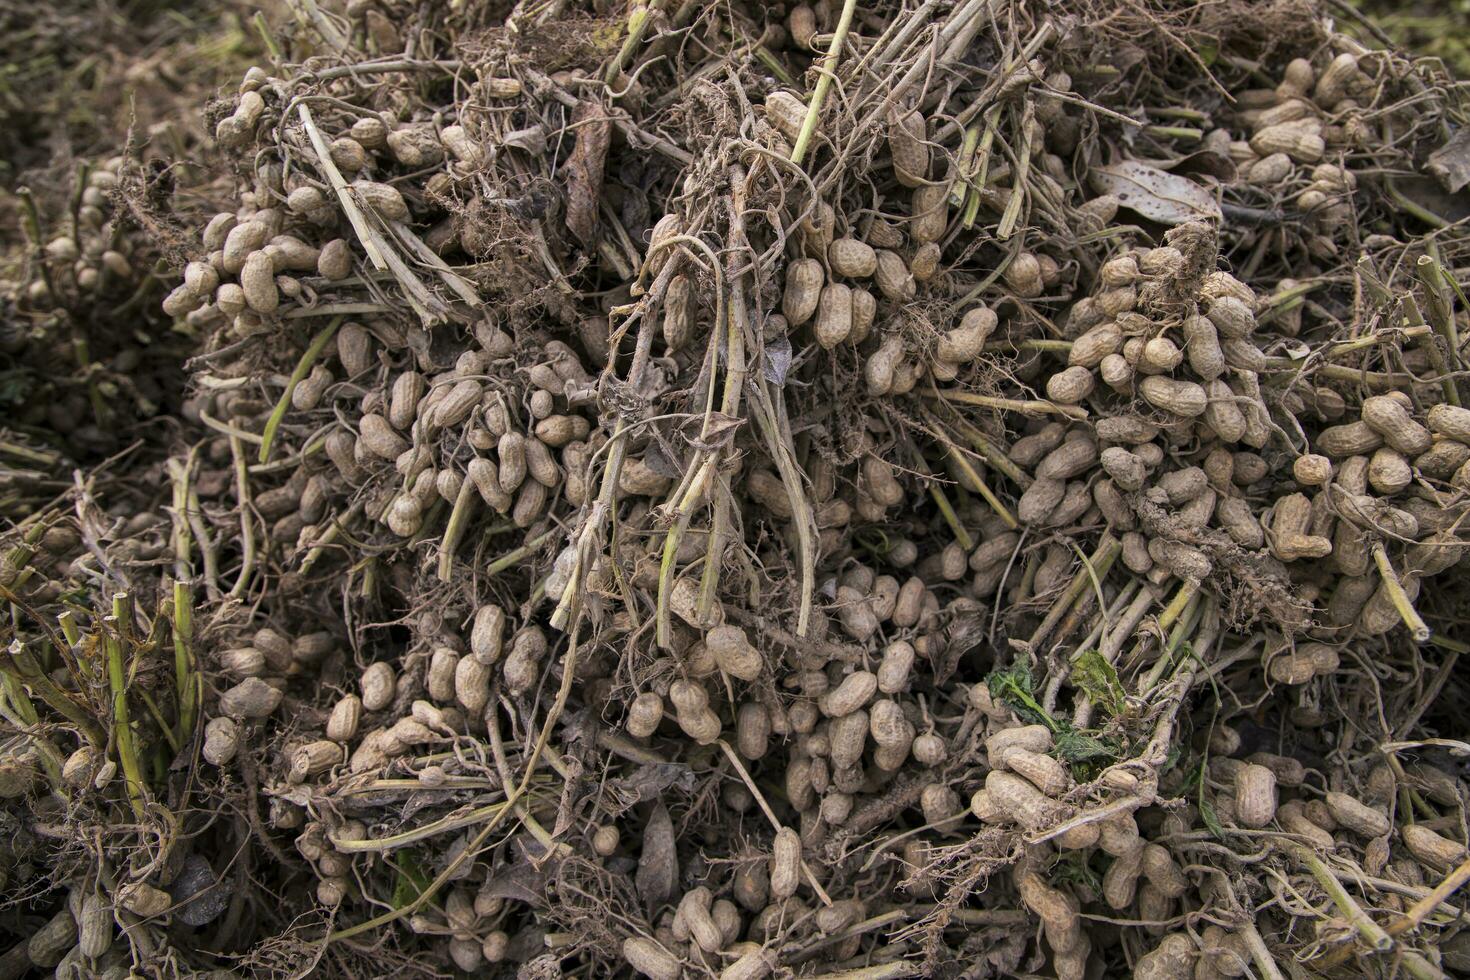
(1400, 599)
(454, 530)
(184, 657)
(1371, 932)
(303, 368)
(824, 82)
(122, 729)
(950, 517)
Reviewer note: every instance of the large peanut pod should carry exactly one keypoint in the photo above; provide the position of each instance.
(1120, 881)
(1021, 801)
(1255, 796)
(893, 277)
(1182, 398)
(834, 315)
(1388, 417)
(1090, 348)
(930, 209)
(804, 279)
(1171, 959)
(1451, 421)
(1439, 853)
(650, 959)
(786, 112)
(733, 652)
(1357, 816)
(785, 863)
(907, 147)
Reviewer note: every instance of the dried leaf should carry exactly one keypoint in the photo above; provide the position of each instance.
(1157, 195)
(521, 883)
(1451, 162)
(777, 361)
(649, 782)
(199, 895)
(719, 433)
(658, 862)
(585, 168)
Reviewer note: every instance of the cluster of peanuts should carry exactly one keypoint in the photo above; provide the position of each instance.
(1316, 114)
(1147, 850)
(1190, 371)
(97, 258)
(289, 241)
(92, 263)
(79, 940)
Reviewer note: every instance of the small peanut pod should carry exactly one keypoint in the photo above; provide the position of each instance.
(644, 714)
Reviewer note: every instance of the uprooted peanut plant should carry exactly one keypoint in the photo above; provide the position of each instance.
(927, 489)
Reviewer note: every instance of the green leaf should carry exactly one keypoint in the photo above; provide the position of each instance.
(1212, 822)
(1073, 868)
(1099, 680)
(1074, 746)
(410, 881)
(1014, 686)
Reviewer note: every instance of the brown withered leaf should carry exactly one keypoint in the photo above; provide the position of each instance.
(658, 863)
(585, 168)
